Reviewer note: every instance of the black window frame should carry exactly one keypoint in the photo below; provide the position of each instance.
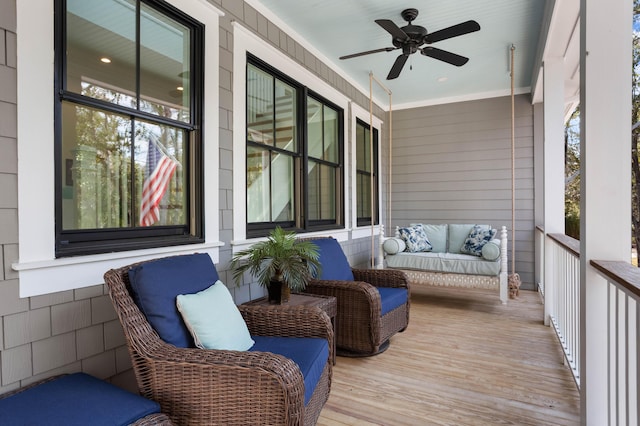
(95, 241)
(301, 222)
(374, 140)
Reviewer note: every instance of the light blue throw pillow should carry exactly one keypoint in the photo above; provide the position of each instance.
(394, 245)
(491, 250)
(214, 319)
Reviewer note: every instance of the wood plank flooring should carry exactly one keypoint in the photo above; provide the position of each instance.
(465, 359)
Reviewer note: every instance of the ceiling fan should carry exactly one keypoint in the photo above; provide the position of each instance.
(410, 38)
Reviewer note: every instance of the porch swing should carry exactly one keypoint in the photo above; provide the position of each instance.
(505, 282)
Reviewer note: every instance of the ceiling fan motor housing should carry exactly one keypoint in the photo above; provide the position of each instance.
(415, 33)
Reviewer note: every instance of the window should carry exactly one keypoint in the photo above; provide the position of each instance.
(294, 155)
(128, 126)
(366, 174)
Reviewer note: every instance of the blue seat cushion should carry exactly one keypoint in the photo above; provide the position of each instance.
(391, 298)
(335, 265)
(156, 284)
(75, 399)
(311, 355)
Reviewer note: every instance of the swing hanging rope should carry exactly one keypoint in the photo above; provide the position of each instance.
(372, 79)
(514, 278)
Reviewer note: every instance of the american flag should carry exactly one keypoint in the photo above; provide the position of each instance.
(158, 173)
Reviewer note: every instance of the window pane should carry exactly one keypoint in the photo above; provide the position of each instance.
(330, 135)
(286, 117)
(160, 180)
(258, 182)
(96, 169)
(364, 195)
(101, 50)
(314, 128)
(270, 187)
(164, 65)
(282, 198)
(322, 192)
(363, 148)
(359, 146)
(260, 126)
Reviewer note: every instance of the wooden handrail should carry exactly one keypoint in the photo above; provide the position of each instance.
(623, 273)
(569, 243)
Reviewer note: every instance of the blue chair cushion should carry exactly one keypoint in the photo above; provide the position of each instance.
(156, 284)
(311, 355)
(391, 298)
(335, 265)
(75, 399)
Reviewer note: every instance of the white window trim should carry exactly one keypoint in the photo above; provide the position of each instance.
(38, 270)
(363, 231)
(244, 42)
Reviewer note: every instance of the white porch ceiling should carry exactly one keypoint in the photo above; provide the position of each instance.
(334, 28)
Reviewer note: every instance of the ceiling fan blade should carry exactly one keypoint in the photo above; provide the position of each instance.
(452, 31)
(392, 29)
(353, 55)
(445, 56)
(397, 66)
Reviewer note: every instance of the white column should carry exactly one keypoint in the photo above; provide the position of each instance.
(553, 69)
(605, 208)
(538, 197)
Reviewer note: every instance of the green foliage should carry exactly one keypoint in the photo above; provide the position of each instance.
(281, 257)
(572, 223)
(572, 175)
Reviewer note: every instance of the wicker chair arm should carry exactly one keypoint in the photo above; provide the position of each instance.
(286, 320)
(382, 277)
(360, 291)
(359, 309)
(218, 380)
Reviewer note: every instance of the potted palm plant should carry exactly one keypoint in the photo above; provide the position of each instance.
(281, 263)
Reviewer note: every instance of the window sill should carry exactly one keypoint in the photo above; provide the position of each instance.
(338, 234)
(364, 231)
(54, 275)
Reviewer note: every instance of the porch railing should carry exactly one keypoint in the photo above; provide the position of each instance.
(622, 281)
(612, 386)
(564, 312)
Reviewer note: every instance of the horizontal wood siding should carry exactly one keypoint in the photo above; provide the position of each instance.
(452, 164)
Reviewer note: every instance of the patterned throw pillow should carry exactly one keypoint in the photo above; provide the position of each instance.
(477, 238)
(415, 238)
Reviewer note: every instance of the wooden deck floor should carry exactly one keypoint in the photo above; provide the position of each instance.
(465, 359)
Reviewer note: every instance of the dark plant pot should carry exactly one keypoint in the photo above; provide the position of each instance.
(278, 292)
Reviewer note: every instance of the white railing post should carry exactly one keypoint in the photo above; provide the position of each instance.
(539, 261)
(380, 264)
(550, 249)
(504, 266)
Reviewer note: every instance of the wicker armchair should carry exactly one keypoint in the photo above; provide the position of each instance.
(373, 304)
(202, 386)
